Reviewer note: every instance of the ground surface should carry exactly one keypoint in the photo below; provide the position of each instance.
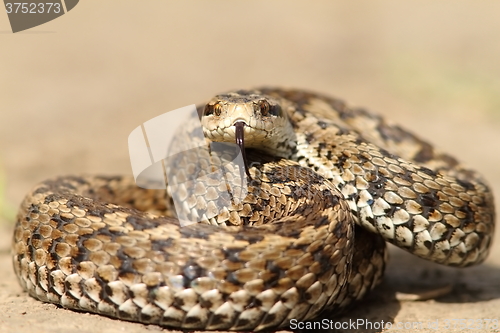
(72, 90)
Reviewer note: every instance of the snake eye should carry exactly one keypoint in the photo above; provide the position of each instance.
(218, 109)
(264, 107)
(267, 109)
(213, 109)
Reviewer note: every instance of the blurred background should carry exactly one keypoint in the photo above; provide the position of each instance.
(73, 89)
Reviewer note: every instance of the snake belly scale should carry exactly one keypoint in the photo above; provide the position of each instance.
(328, 185)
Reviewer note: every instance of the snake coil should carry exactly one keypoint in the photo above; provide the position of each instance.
(328, 186)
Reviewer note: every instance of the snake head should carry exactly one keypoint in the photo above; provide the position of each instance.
(251, 120)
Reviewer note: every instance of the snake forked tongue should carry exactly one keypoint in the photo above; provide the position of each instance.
(240, 141)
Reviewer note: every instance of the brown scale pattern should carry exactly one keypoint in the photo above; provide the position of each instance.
(75, 249)
(397, 184)
(308, 237)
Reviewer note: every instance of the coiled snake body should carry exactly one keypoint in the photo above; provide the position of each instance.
(328, 185)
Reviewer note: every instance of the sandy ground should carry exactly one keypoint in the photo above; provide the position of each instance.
(74, 88)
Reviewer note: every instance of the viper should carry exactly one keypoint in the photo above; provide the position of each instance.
(325, 187)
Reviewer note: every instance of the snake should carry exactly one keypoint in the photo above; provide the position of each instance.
(328, 186)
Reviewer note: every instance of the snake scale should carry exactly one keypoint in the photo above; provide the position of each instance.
(328, 185)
